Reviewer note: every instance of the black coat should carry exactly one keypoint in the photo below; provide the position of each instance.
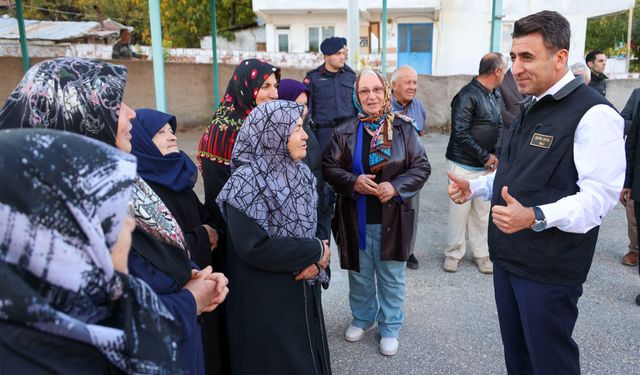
(276, 323)
(628, 113)
(632, 147)
(313, 160)
(29, 351)
(599, 83)
(191, 214)
(511, 99)
(476, 125)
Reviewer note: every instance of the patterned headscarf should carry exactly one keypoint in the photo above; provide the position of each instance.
(242, 154)
(240, 98)
(78, 95)
(272, 189)
(63, 200)
(380, 124)
(84, 96)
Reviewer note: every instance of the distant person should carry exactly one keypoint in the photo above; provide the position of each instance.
(580, 70)
(404, 86)
(476, 128)
(631, 191)
(331, 88)
(122, 48)
(597, 61)
(629, 113)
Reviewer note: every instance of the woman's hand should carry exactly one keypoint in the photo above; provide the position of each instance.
(120, 250)
(222, 288)
(314, 269)
(365, 184)
(308, 273)
(213, 236)
(326, 256)
(385, 192)
(205, 289)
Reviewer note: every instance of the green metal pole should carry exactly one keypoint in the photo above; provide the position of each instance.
(214, 49)
(496, 25)
(23, 37)
(156, 53)
(383, 21)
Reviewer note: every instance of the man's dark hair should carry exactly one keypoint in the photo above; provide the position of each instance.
(123, 30)
(554, 29)
(591, 56)
(490, 62)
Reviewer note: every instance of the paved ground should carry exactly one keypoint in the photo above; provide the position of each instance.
(451, 324)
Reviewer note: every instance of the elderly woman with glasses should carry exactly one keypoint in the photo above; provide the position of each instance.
(376, 164)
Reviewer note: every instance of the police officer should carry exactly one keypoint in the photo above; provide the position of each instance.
(331, 87)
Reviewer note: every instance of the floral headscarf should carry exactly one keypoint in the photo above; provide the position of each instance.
(73, 94)
(380, 124)
(63, 199)
(239, 99)
(83, 96)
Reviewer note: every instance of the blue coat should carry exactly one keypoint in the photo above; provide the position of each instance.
(181, 304)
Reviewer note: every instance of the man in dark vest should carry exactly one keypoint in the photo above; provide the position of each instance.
(561, 171)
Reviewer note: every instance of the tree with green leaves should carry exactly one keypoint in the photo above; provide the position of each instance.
(609, 34)
(184, 22)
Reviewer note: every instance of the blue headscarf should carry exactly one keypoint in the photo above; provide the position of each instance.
(174, 171)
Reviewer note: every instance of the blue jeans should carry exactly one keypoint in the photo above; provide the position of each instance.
(389, 276)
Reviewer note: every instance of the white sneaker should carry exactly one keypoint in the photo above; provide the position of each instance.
(355, 334)
(388, 345)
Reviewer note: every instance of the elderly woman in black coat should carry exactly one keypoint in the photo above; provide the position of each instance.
(276, 263)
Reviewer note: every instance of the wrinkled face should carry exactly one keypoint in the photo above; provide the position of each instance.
(599, 63)
(123, 136)
(371, 94)
(405, 87)
(302, 99)
(268, 91)
(165, 140)
(336, 61)
(298, 142)
(534, 68)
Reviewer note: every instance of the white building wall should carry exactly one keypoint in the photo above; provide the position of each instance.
(461, 33)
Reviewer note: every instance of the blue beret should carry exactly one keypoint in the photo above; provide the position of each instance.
(332, 45)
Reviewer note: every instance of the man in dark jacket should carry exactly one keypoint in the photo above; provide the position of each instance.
(511, 99)
(597, 61)
(560, 174)
(476, 126)
(629, 113)
(631, 191)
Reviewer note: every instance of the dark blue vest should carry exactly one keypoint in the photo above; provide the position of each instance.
(537, 165)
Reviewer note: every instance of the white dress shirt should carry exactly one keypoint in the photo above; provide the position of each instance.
(599, 156)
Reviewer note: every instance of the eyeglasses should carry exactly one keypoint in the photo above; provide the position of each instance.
(366, 92)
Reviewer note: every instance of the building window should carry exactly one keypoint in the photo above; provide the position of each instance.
(282, 38)
(374, 35)
(317, 34)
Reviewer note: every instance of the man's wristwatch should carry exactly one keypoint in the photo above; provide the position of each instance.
(540, 223)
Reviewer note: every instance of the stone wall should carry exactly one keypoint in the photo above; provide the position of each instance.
(190, 89)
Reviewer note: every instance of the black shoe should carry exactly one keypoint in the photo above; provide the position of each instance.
(638, 300)
(412, 262)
